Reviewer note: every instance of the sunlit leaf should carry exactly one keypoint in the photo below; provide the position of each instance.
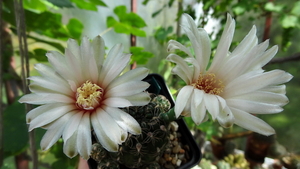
(61, 3)
(289, 21)
(34, 5)
(85, 5)
(139, 55)
(270, 6)
(75, 28)
(296, 9)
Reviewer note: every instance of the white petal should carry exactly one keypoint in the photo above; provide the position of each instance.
(182, 98)
(173, 45)
(33, 98)
(117, 102)
(181, 73)
(252, 123)
(50, 84)
(212, 105)
(74, 63)
(84, 138)
(98, 47)
(85, 56)
(224, 44)
(198, 110)
(265, 97)
(127, 89)
(132, 75)
(105, 141)
(109, 125)
(72, 124)
(182, 65)
(32, 114)
(49, 73)
(199, 40)
(245, 84)
(139, 99)
(73, 46)
(124, 120)
(70, 146)
(280, 89)
(225, 117)
(54, 132)
(58, 62)
(254, 107)
(49, 116)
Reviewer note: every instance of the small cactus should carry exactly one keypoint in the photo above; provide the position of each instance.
(144, 150)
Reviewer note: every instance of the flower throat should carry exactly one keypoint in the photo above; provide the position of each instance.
(209, 84)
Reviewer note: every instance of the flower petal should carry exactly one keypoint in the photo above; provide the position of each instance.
(182, 65)
(124, 120)
(251, 122)
(105, 141)
(84, 138)
(139, 99)
(117, 102)
(225, 117)
(212, 105)
(49, 116)
(72, 124)
(198, 110)
(127, 89)
(40, 98)
(182, 99)
(70, 146)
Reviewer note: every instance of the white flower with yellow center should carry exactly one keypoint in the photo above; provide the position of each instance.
(234, 86)
(81, 93)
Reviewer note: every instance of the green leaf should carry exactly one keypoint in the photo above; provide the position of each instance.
(120, 11)
(134, 20)
(239, 10)
(82, 4)
(289, 21)
(61, 3)
(35, 6)
(138, 32)
(75, 28)
(139, 55)
(111, 22)
(98, 2)
(15, 129)
(39, 54)
(270, 6)
(296, 9)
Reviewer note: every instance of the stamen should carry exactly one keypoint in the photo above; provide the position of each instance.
(209, 84)
(88, 95)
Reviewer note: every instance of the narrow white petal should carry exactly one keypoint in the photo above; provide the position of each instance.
(70, 146)
(58, 62)
(32, 114)
(127, 89)
(40, 98)
(198, 110)
(117, 102)
(85, 56)
(84, 138)
(139, 99)
(72, 124)
(104, 140)
(181, 73)
(224, 44)
(254, 107)
(132, 75)
(109, 125)
(280, 89)
(265, 97)
(251, 122)
(73, 46)
(74, 63)
(245, 84)
(212, 105)
(49, 116)
(54, 132)
(182, 98)
(98, 47)
(225, 117)
(49, 73)
(173, 45)
(124, 120)
(182, 65)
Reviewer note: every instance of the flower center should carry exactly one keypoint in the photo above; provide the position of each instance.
(88, 95)
(209, 84)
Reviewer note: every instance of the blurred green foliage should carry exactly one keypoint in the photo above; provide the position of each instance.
(45, 27)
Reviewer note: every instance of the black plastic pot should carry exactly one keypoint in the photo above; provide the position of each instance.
(158, 86)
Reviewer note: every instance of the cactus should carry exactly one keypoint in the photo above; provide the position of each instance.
(237, 161)
(144, 150)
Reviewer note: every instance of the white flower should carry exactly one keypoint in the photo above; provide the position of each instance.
(234, 86)
(81, 92)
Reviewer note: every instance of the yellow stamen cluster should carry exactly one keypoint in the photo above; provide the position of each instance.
(209, 84)
(88, 95)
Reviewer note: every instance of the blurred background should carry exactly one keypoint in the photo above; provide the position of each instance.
(144, 27)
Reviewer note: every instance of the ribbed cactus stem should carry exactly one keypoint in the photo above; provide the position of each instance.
(168, 116)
